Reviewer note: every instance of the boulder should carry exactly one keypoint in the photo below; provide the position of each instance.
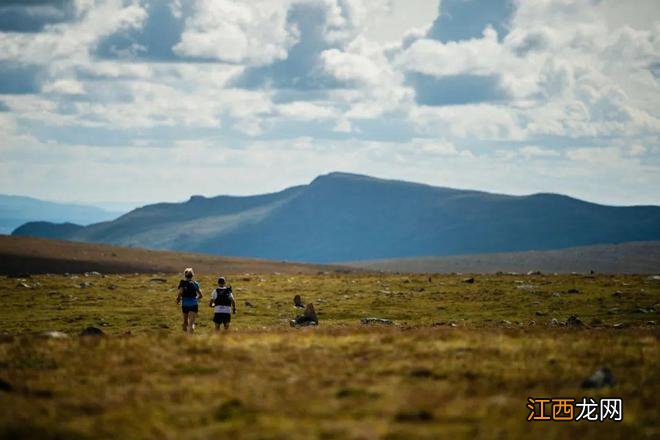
(573, 321)
(600, 378)
(53, 334)
(377, 321)
(92, 331)
(469, 280)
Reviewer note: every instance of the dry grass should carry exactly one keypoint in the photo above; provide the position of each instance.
(449, 367)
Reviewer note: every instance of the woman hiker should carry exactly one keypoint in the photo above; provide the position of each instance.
(189, 296)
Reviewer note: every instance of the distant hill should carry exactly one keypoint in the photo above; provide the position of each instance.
(631, 258)
(30, 255)
(17, 210)
(348, 217)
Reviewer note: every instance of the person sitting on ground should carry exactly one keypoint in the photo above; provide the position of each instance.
(222, 299)
(189, 296)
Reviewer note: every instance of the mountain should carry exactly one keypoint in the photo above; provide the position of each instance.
(17, 210)
(348, 217)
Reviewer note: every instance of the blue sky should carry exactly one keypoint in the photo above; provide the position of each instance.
(144, 101)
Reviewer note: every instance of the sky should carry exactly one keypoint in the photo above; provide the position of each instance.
(146, 101)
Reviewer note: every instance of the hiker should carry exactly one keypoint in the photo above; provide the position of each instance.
(189, 296)
(223, 302)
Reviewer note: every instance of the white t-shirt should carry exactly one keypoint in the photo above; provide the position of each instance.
(221, 309)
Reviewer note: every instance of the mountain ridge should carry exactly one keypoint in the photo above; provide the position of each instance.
(347, 217)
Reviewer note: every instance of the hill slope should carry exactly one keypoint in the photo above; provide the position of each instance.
(630, 258)
(17, 210)
(347, 217)
(38, 255)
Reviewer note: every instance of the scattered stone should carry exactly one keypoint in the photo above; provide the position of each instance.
(158, 280)
(654, 278)
(620, 325)
(617, 294)
(85, 285)
(573, 290)
(650, 322)
(555, 322)
(112, 287)
(92, 331)
(540, 313)
(53, 334)
(557, 294)
(6, 386)
(298, 302)
(93, 274)
(641, 310)
(452, 324)
(531, 323)
(23, 285)
(505, 322)
(249, 304)
(600, 378)
(573, 321)
(469, 280)
(534, 272)
(376, 321)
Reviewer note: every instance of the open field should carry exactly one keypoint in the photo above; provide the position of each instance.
(41, 255)
(634, 257)
(460, 360)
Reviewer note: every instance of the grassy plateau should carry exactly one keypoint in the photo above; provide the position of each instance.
(460, 359)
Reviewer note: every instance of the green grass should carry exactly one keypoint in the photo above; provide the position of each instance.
(460, 361)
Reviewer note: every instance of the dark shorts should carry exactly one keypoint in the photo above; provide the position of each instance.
(222, 318)
(188, 309)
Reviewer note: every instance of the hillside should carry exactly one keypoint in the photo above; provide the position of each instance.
(17, 210)
(347, 217)
(629, 258)
(37, 255)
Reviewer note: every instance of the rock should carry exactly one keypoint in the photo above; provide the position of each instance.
(555, 322)
(617, 294)
(23, 285)
(640, 310)
(573, 290)
(469, 280)
(619, 325)
(92, 331)
(249, 304)
(85, 285)
(421, 415)
(600, 378)
(534, 272)
(6, 386)
(93, 274)
(654, 278)
(557, 294)
(52, 334)
(298, 302)
(158, 280)
(531, 323)
(650, 323)
(573, 321)
(505, 322)
(376, 321)
(540, 313)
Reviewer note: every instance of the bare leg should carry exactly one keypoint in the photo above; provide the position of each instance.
(226, 324)
(191, 322)
(185, 322)
(217, 327)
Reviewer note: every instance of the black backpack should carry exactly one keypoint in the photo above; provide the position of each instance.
(189, 288)
(222, 296)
